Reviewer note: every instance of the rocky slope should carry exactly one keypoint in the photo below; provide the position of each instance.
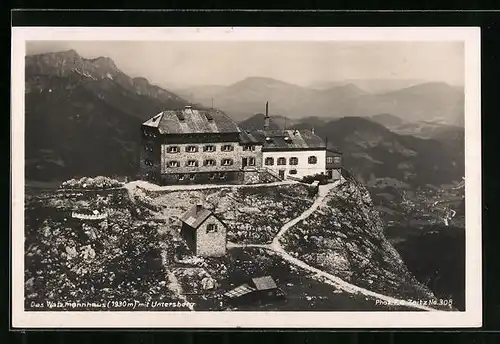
(109, 264)
(345, 237)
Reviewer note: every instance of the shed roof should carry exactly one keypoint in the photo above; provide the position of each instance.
(192, 121)
(333, 150)
(264, 283)
(247, 137)
(194, 217)
(239, 291)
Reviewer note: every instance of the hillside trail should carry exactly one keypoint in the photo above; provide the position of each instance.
(339, 283)
(174, 284)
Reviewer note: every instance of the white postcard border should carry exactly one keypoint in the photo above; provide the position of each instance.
(472, 317)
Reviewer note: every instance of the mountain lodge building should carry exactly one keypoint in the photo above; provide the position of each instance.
(205, 146)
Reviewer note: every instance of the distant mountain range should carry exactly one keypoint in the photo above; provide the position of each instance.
(419, 102)
(450, 134)
(370, 85)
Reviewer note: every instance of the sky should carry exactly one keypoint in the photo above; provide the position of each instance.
(303, 63)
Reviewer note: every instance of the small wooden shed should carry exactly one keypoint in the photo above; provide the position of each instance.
(258, 289)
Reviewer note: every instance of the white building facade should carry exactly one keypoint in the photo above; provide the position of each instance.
(295, 163)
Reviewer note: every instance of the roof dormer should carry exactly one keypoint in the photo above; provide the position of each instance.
(180, 116)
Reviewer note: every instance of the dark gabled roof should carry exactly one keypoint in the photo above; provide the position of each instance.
(194, 217)
(246, 137)
(288, 139)
(192, 121)
(264, 283)
(333, 150)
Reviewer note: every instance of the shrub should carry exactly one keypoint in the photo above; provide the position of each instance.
(98, 182)
(322, 178)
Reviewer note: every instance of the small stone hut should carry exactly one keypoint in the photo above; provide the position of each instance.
(204, 233)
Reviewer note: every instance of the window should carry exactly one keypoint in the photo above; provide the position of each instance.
(173, 163)
(212, 176)
(209, 162)
(211, 228)
(269, 161)
(312, 160)
(249, 148)
(281, 161)
(227, 162)
(149, 134)
(192, 176)
(222, 175)
(148, 147)
(191, 149)
(329, 159)
(227, 148)
(173, 149)
(192, 163)
(294, 161)
(293, 172)
(251, 161)
(209, 148)
(180, 177)
(148, 162)
(337, 160)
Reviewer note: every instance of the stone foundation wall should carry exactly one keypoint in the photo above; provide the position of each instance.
(202, 178)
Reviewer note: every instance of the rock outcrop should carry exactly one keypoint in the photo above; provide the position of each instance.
(345, 237)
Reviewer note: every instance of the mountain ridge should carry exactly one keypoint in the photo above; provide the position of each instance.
(67, 63)
(424, 101)
(90, 114)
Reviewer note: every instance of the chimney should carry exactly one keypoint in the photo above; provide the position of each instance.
(266, 118)
(200, 203)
